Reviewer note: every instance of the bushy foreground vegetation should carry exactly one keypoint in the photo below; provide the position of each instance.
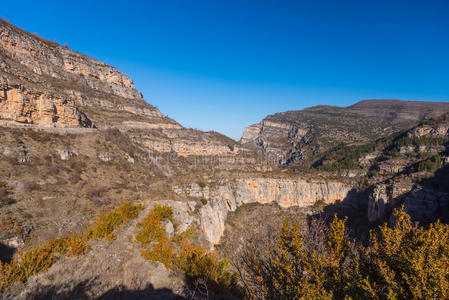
(39, 259)
(180, 254)
(403, 262)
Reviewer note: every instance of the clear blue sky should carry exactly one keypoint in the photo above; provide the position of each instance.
(222, 65)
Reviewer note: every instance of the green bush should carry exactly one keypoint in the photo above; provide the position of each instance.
(422, 141)
(431, 164)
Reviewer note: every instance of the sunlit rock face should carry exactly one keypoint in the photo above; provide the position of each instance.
(45, 84)
(287, 192)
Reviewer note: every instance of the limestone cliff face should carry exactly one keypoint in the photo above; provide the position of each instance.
(280, 141)
(23, 106)
(47, 58)
(189, 142)
(227, 196)
(377, 203)
(45, 84)
(430, 131)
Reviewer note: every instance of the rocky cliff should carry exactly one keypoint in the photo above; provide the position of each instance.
(224, 196)
(408, 168)
(45, 84)
(298, 135)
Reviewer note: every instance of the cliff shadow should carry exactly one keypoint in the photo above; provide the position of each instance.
(354, 207)
(6, 253)
(122, 293)
(82, 291)
(428, 201)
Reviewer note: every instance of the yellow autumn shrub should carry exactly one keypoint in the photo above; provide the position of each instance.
(31, 262)
(40, 258)
(106, 223)
(407, 261)
(179, 253)
(196, 262)
(162, 252)
(404, 261)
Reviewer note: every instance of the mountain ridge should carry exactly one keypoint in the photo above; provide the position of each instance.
(295, 135)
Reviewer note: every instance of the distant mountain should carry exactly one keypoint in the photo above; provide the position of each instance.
(296, 135)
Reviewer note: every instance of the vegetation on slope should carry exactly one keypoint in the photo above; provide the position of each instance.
(41, 258)
(180, 254)
(347, 157)
(403, 262)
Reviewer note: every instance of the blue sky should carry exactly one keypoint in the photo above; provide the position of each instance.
(222, 65)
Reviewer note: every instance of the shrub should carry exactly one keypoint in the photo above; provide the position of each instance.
(431, 164)
(106, 223)
(344, 157)
(73, 245)
(203, 201)
(162, 213)
(319, 203)
(403, 262)
(422, 140)
(5, 190)
(179, 253)
(37, 260)
(151, 229)
(40, 258)
(11, 224)
(202, 184)
(162, 252)
(407, 261)
(196, 263)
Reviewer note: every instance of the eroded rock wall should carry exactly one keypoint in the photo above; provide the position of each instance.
(20, 105)
(226, 196)
(46, 84)
(44, 57)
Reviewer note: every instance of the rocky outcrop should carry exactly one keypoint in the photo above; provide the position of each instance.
(280, 141)
(23, 106)
(436, 130)
(226, 196)
(377, 203)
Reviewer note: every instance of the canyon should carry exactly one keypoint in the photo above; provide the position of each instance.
(77, 138)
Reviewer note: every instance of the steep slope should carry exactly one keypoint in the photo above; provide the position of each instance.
(76, 136)
(297, 135)
(43, 83)
(407, 168)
